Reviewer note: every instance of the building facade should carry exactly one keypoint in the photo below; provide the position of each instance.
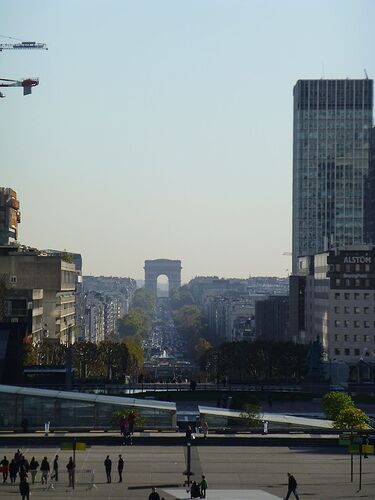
(340, 306)
(331, 154)
(43, 286)
(271, 318)
(10, 216)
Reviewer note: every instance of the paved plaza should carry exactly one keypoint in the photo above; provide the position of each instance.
(233, 473)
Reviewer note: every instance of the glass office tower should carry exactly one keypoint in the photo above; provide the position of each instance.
(331, 151)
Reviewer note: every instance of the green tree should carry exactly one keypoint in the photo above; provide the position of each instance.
(135, 351)
(145, 300)
(250, 415)
(135, 323)
(112, 359)
(350, 417)
(180, 297)
(84, 358)
(334, 402)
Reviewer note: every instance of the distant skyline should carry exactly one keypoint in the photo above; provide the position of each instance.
(164, 129)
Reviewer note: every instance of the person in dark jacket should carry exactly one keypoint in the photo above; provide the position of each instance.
(108, 468)
(33, 467)
(25, 490)
(55, 466)
(154, 495)
(5, 466)
(70, 467)
(44, 467)
(292, 486)
(120, 468)
(195, 491)
(13, 471)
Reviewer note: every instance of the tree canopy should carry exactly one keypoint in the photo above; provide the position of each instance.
(144, 300)
(351, 417)
(334, 402)
(134, 324)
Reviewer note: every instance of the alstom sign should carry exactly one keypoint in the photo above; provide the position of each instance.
(357, 259)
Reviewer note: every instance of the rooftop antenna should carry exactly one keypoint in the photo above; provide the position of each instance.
(366, 75)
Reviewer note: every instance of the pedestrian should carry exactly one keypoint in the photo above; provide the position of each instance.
(366, 443)
(188, 434)
(70, 466)
(17, 457)
(154, 495)
(23, 473)
(204, 428)
(122, 425)
(131, 421)
(25, 490)
(195, 492)
(203, 487)
(44, 468)
(24, 425)
(46, 427)
(108, 468)
(292, 486)
(120, 468)
(5, 468)
(13, 471)
(33, 467)
(55, 467)
(24, 463)
(265, 426)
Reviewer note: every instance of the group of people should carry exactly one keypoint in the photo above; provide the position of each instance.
(127, 426)
(20, 466)
(108, 468)
(198, 490)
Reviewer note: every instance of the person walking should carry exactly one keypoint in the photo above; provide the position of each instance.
(108, 468)
(25, 490)
(188, 434)
(292, 486)
(154, 495)
(70, 467)
(194, 490)
(23, 473)
(122, 425)
(44, 468)
(131, 422)
(203, 487)
(204, 428)
(5, 467)
(33, 467)
(13, 471)
(55, 467)
(120, 468)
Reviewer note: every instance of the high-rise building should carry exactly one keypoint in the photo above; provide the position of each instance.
(331, 154)
(9, 216)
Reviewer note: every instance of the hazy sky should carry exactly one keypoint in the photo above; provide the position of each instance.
(163, 129)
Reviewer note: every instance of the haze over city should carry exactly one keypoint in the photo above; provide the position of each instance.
(164, 129)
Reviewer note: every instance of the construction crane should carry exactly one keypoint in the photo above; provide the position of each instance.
(27, 84)
(22, 45)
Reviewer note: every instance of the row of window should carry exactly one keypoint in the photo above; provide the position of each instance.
(355, 296)
(347, 352)
(350, 282)
(353, 338)
(354, 310)
(356, 324)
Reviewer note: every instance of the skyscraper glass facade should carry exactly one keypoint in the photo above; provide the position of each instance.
(331, 151)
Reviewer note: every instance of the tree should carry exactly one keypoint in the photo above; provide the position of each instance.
(145, 300)
(85, 355)
(351, 417)
(133, 324)
(135, 355)
(250, 415)
(180, 297)
(201, 347)
(334, 402)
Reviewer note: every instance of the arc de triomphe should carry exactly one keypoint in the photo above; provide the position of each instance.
(155, 268)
